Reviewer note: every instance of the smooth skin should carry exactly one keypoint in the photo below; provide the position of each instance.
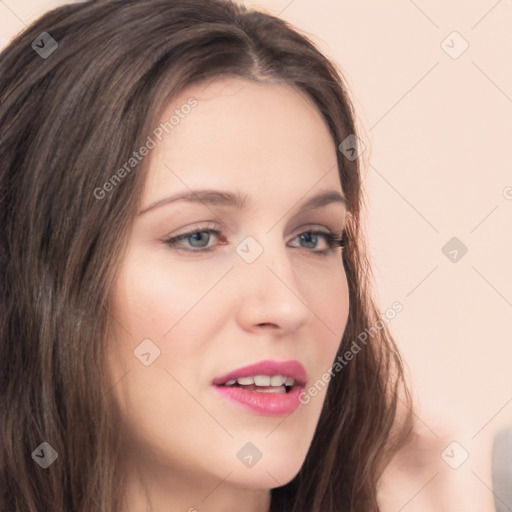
(210, 311)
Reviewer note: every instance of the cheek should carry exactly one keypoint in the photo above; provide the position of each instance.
(153, 308)
(329, 302)
(170, 306)
(151, 296)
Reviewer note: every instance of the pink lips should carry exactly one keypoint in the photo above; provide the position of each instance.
(269, 404)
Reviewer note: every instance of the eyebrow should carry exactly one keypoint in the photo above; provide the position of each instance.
(239, 201)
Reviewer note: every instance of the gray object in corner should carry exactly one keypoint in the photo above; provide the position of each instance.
(502, 470)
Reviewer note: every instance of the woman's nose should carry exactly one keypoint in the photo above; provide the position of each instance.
(271, 293)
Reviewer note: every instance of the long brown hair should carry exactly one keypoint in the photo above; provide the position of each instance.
(69, 120)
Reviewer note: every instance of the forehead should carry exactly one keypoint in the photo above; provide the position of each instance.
(259, 136)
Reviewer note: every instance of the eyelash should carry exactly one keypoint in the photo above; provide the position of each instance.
(333, 240)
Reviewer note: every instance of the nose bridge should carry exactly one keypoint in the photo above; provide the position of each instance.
(269, 291)
(265, 257)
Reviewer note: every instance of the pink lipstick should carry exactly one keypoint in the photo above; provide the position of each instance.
(270, 388)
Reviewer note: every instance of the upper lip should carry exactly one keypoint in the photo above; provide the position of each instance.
(267, 367)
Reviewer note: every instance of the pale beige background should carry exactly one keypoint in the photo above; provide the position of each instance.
(439, 136)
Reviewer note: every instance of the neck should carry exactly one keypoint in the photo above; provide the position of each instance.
(172, 490)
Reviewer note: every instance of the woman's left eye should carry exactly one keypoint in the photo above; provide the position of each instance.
(199, 239)
(331, 240)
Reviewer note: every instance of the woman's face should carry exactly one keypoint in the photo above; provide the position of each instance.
(256, 290)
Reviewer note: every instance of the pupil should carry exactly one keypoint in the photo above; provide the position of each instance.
(196, 235)
(310, 236)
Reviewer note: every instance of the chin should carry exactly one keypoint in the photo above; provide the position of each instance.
(276, 471)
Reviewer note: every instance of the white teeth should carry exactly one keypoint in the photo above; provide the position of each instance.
(262, 380)
(245, 381)
(277, 381)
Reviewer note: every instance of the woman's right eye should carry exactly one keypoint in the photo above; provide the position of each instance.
(195, 236)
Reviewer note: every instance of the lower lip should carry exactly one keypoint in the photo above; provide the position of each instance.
(267, 404)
